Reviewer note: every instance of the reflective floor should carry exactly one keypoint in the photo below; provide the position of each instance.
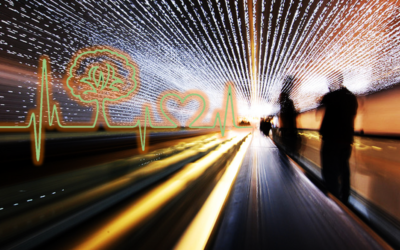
(234, 192)
(374, 165)
(273, 205)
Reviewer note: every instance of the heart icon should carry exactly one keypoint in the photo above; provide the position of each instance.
(182, 100)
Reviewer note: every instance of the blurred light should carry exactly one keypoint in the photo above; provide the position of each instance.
(206, 45)
(151, 202)
(198, 232)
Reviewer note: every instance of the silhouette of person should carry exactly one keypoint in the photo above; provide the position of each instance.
(262, 123)
(267, 126)
(287, 118)
(337, 129)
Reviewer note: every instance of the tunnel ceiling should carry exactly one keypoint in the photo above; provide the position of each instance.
(202, 45)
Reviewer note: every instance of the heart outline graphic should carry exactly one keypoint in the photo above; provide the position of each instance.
(182, 100)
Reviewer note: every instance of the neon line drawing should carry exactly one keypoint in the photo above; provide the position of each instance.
(99, 85)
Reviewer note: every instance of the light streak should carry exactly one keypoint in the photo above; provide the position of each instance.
(153, 201)
(197, 234)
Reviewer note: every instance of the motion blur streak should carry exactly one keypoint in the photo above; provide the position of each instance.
(193, 148)
(374, 167)
(152, 202)
(197, 234)
(374, 235)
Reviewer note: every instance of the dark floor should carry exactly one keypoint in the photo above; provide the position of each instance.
(274, 206)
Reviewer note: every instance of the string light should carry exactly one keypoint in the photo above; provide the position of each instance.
(183, 45)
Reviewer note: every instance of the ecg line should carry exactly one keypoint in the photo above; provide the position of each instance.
(38, 125)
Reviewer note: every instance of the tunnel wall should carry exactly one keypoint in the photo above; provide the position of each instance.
(377, 114)
(374, 168)
(375, 162)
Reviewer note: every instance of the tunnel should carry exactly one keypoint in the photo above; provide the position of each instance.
(199, 124)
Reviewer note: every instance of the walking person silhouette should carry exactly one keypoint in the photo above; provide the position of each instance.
(287, 118)
(337, 129)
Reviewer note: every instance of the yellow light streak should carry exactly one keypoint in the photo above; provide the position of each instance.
(149, 204)
(206, 143)
(197, 234)
(376, 148)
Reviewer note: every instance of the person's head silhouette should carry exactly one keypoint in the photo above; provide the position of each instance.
(286, 89)
(287, 85)
(335, 80)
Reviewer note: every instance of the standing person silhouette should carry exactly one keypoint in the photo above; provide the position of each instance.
(267, 126)
(262, 123)
(337, 129)
(287, 118)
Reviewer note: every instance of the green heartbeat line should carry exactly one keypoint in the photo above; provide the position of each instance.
(36, 124)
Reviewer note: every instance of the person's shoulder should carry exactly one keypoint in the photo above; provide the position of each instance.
(345, 90)
(348, 93)
(326, 97)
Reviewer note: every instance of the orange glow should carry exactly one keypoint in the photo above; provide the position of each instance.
(198, 232)
(149, 204)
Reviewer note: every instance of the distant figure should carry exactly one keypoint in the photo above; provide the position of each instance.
(262, 122)
(337, 131)
(265, 125)
(287, 118)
